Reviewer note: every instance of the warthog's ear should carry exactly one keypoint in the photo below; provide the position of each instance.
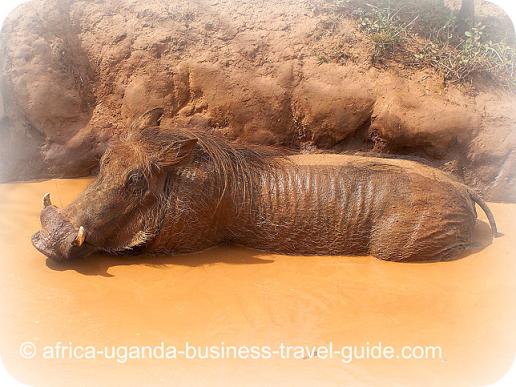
(176, 154)
(149, 118)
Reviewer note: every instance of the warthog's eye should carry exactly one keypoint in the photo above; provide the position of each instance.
(137, 182)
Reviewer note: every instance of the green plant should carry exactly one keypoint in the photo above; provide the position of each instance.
(426, 33)
(472, 57)
(385, 29)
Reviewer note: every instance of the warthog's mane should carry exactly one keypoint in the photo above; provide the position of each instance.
(235, 167)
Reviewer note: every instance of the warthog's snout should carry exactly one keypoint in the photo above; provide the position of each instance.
(58, 239)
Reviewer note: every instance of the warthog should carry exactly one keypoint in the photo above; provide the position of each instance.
(173, 191)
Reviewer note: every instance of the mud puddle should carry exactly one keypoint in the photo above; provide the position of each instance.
(242, 297)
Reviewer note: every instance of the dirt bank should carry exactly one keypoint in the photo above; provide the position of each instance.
(245, 297)
(75, 73)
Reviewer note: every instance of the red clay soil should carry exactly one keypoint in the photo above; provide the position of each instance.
(75, 73)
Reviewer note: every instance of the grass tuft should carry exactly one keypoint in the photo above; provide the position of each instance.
(426, 33)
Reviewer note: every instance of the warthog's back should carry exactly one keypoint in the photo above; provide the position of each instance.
(393, 209)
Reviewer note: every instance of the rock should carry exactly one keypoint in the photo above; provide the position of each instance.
(75, 74)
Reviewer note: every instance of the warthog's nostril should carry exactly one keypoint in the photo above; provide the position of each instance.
(38, 242)
(46, 200)
(81, 236)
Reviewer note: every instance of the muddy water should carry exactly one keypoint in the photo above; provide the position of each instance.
(245, 297)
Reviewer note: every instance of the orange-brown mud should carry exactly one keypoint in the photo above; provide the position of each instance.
(245, 297)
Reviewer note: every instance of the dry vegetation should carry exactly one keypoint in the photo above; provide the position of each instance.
(427, 33)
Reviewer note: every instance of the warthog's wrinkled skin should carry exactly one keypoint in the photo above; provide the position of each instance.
(173, 191)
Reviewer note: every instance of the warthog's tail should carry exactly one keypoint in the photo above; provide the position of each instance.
(477, 199)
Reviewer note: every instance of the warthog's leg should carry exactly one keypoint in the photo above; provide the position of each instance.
(425, 238)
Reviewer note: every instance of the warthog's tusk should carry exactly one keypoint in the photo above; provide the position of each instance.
(46, 200)
(81, 236)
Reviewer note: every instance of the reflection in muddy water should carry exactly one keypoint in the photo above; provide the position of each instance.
(238, 296)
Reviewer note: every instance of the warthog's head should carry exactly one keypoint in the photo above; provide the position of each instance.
(120, 210)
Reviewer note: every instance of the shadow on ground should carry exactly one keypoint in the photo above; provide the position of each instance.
(99, 264)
